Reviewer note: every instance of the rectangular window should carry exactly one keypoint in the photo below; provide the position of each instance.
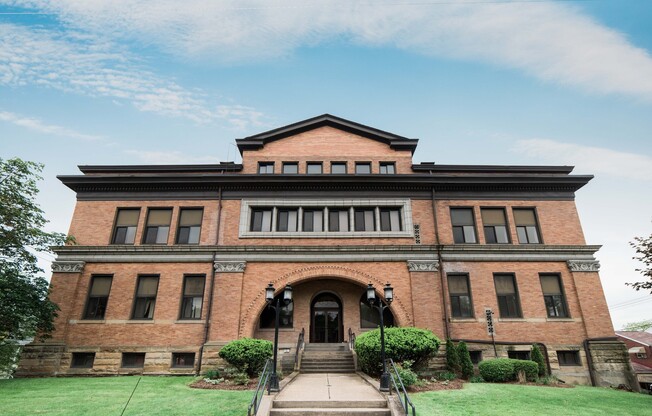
(507, 293)
(569, 358)
(183, 359)
(518, 355)
(290, 168)
(189, 225)
(82, 360)
(313, 220)
(314, 168)
(365, 219)
(125, 226)
(362, 168)
(261, 219)
(495, 225)
(390, 219)
(460, 294)
(145, 299)
(338, 168)
(338, 220)
(476, 356)
(463, 225)
(526, 226)
(98, 297)
(287, 220)
(641, 355)
(158, 226)
(266, 168)
(387, 168)
(193, 296)
(553, 296)
(133, 360)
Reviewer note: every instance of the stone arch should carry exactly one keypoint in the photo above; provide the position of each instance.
(249, 318)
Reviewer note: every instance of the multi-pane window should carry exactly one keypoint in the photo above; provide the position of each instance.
(495, 225)
(338, 167)
(369, 316)
(526, 226)
(568, 357)
(287, 220)
(158, 226)
(508, 302)
(125, 226)
(314, 168)
(183, 359)
(387, 168)
(261, 219)
(463, 225)
(365, 219)
(338, 219)
(189, 225)
(286, 314)
(98, 297)
(133, 359)
(145, 299)
(390, 219)
(458, 288)
(290, 167)
(313, 220)
(265, 168)
(82, 360)
(553, 295)
(193, 295)
(362, 168)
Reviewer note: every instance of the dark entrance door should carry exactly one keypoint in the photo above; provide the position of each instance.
(326, 319)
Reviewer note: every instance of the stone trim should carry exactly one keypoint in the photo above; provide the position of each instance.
(68, 266)
(583, 265)
(230, 266)
(423, 265)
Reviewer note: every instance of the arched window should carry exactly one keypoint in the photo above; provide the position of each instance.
(268, 316)
(370, 318)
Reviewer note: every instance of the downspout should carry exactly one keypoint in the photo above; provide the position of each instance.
(209, 309)
(441, 267)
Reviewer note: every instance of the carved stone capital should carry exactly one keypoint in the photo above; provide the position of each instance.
(68, 266)
(583, 265)
(423, 265)
(230, 266)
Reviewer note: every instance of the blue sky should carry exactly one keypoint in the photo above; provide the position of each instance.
(478, 82)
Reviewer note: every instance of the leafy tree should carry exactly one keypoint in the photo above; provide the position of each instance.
(465, 360)
(25, 310)
(452, 357)
(537, 357)
(638, 326)
(643, 248)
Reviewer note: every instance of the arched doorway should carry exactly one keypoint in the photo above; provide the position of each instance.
(326, 318)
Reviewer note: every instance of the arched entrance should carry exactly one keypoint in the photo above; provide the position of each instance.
(326, 324)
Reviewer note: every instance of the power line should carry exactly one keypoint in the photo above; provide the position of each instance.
(630, 300)
(633, 304)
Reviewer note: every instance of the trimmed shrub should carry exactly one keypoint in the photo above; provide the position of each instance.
(247, 354)
(408, 376)
(465, 360)
(497, 370)
(401, 344)
(529, 368)
(538, 358)
(452, 357)
(476, 379)
(212, 374)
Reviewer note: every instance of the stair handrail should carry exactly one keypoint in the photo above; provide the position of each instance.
(263, 380)
(396, 382)
(351, 339)
(300, 344)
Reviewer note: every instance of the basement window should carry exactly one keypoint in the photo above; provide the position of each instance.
(82, 360)
(133, 360)
(568, 358)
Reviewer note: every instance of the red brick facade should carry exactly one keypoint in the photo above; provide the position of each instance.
(408, 241)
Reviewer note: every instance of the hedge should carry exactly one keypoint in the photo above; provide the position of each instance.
(530, 368)
(497, 370)
(401, 344)
(247, 354)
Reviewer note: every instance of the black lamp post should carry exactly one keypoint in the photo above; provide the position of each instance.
(381, 306)
(269, 298)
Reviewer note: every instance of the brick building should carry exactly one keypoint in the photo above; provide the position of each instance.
(639, 347)
(171, 262)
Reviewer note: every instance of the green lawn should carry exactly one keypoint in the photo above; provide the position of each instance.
(509, 399)
(108, 396)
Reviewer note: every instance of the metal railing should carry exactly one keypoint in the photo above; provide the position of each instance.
(396, 383)
(351, 339)
(260, 389)
(300, 343)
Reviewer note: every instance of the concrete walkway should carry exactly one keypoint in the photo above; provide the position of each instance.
(322, 387)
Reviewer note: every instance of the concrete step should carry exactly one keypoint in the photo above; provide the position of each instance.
(330, 412)
(326, 347)
(329, 370)
(341, 404)
(326, 364)
(337, 358)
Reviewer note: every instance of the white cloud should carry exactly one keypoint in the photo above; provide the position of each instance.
(554, 42)
(588, 158)
(37, 125)
(168, 158)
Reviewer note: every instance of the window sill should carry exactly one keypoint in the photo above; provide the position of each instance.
(88, 321)
(512, 320)
(140, 321)
(462, 320)
(549, 319)
(190, 321)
